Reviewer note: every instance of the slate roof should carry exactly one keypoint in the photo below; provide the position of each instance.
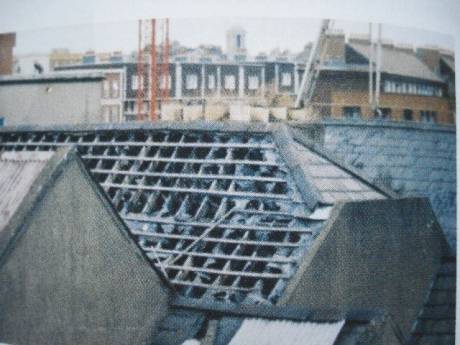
(18, 171)
(398, 62)
(436, 322)
(224, 211)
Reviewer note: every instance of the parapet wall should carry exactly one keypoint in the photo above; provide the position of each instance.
(410, 158)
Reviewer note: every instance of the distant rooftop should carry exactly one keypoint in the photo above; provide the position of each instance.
(50, 77)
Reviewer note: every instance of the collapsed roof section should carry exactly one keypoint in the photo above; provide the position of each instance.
(224, 211)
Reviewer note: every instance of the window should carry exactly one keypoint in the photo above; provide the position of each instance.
(408, 115)
(163, 83)
(253, 82)
(211, 82)
(428, 116)
(115, 88)
(238, 41)
(352, 112)
(230, 82)
(135, 81)
(383, 113)
(2, 121)
(411, 88)
(286, 79)
(191, 81)
(105, 87)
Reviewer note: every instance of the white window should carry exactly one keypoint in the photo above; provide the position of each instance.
(211, 82)
(115, 88)
(191, 81)
(404, 88)
(253, 82)
(135, 81)
(105, 86)
(286, 79)
(163, 82)
(230, 82)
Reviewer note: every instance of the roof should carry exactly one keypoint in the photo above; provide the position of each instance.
(51, 77)
(220, 324)
(399, 62)
(18, 171)
(225, 211)
(449, 61)
(436, 321)
(274, 332)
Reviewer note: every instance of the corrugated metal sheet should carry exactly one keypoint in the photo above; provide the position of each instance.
(18, 170)
(265, 332)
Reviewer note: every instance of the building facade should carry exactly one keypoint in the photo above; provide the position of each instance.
(252, 82)
(411, 89)
(51, 99)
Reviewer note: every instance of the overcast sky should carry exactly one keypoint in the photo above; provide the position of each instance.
(263, 34)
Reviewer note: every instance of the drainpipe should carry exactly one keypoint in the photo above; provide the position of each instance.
(371, 72)
(378, 66)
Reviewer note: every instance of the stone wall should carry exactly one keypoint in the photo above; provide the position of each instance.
(74, 276)
(372, 255)
(410, 158)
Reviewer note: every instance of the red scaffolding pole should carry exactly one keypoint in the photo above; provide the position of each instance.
(165, 91)
(153, 75)
(140, 69)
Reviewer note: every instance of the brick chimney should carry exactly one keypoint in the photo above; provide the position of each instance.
(335, 47)
(430, 56)
(7, 43)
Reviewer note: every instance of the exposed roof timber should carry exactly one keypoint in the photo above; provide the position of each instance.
(229, 194)
(195, 224)
(217, 239)
(191, 176)
(145, 144)
(224, 256)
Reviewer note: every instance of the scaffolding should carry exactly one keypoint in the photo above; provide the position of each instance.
(151, 78)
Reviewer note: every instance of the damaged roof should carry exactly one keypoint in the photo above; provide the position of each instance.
(224, 211)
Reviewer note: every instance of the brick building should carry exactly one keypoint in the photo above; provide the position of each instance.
(7, 43)
(412, 86)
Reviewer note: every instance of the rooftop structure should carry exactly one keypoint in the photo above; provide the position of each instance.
(220, 214)
(234, 215)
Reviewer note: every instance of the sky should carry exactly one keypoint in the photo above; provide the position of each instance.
(262, 34)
